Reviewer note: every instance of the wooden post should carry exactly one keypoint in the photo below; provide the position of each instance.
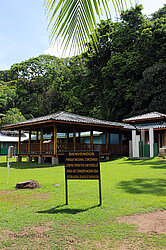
(29, 143)
(120, 142)
(66, 190)
(67, 136)
(158, 142)
(41, 140)
(100, 191)
(37, 136)
(74, 139)
(164, 138)
(91, 139)
(106, 141)
(55, 140)
(19, 141)
(161, 140)
(79, 136)
(109, 142)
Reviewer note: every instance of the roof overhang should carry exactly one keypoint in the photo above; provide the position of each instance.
(51, 123)
(66, 121)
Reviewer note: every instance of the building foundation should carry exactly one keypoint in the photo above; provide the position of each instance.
(55, 160)
(29, 159)
(19, 158)
(106, 158)
(40, 160)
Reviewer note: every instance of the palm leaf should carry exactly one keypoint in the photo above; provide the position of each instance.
(75, 21)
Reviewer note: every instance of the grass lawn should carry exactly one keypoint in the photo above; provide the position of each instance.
(33, 219)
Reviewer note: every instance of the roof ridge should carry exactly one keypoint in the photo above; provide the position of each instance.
(83, 116)
(55, 114)
(160, 113)
(145, 114)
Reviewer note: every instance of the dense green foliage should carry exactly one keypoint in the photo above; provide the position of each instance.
(127, 49)
(13, 115)
(125, 77)
(39, 219)
(151, 89)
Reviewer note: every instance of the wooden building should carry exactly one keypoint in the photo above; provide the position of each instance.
(64, 122)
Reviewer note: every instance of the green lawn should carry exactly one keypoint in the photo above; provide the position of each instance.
(40, 219)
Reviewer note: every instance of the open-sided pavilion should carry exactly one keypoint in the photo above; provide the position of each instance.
(64, 122)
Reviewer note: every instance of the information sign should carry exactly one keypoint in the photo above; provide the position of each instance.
(82, 165)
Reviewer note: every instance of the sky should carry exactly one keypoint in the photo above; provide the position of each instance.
(24, 33)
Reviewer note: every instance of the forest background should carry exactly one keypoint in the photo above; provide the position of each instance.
(125, 77)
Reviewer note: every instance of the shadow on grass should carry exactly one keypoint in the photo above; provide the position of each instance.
(28, 165)
(111, 159)
(144, 186)
(151, 163)
(160, 165)
(56, 210)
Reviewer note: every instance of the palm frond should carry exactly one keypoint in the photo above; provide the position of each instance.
(75, 21)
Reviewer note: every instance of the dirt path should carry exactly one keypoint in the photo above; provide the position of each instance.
(154, 222)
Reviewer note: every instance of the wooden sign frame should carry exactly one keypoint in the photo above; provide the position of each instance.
(82, 165)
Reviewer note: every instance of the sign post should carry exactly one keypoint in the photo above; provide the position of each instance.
(10, 155)
(82, 165)
(66, 191)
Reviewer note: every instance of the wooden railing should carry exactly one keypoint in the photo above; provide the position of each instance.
(82, 146)
(48, 148)
(125, 149)
(114, 148)
(35, 148)
(23, 148)
(65, 146)
(68, 146)
(99, 147)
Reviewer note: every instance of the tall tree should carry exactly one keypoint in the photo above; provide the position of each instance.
(126, 49)
(39, 84)
(13, 115)
(8, 97)
(150, 91)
